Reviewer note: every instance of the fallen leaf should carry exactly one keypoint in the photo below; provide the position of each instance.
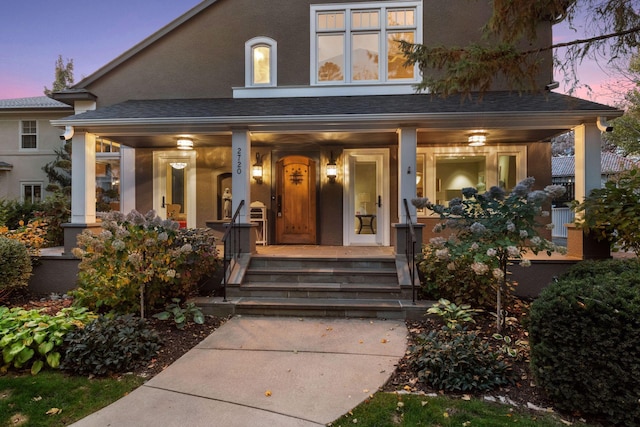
(400, 404)
(329, 328)
(366, 390)
(446, 415)
(54, 411)
(424, 402)
(37, 399)
(361, 341)
(267, 393)
(466, 397)
(408, 388)
(383, 341)
(565, 422)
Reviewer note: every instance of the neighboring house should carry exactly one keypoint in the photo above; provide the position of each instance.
(563, 173)
(307, 107)
(27, 143)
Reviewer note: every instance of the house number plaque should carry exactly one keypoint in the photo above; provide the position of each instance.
(239, 165)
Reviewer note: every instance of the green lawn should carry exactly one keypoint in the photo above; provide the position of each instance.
(26, 399)
(390, 409)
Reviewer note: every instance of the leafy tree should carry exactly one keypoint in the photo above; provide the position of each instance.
(64, 76)
(614, 32)
(612, 213)
(626, 129)
(563, 145)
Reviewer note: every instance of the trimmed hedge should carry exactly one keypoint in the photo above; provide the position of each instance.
(15, 265)
(585, 341)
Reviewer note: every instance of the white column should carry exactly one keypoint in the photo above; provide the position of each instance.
(127, 179)
(407, 146)
(241, 169)
(588, 141)
(83, 178)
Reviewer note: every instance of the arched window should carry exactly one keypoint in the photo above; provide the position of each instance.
(260, 62)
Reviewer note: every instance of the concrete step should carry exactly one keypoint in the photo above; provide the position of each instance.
(258, 261)
(321, 275)
(309, 307)
(328, 290)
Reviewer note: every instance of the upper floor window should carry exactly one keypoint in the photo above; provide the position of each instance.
(260, 62)
(359, 43)
(28, 135)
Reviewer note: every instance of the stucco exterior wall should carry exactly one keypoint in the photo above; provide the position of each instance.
(204, 57)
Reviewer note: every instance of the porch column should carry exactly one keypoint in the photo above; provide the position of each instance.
(127, 179)
(241, 178)
(83, 189)
(588, 142)
(407, 146)
(83, 178)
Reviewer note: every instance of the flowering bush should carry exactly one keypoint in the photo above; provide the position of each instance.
(488, 232)
(32, 235)
(141, 261)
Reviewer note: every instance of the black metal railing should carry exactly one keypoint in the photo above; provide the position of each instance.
(410, 249)
(232, 249)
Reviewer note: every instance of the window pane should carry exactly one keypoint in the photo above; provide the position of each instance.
(29, 126)
(395, 65)
(365, 57)
(29, 141)
(331, 21)
(401, 18)
(507, 172)
(37, 193)
(107, 185)
(330, 57)
(261, 70)
(455, 173)
(370, 19)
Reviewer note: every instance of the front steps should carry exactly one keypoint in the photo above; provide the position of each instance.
(371, 287)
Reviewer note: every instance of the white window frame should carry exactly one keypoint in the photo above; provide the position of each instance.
(348, 33)
(491, 154)
(249, 64)
(111, 154)
(24, 184)
(22, 133)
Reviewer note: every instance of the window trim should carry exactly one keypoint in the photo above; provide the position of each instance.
(491, 154)
(23, 184)
(22, 133)
(249, 64)
(383, 32)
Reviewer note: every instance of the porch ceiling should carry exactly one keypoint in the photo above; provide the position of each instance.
(371, 120)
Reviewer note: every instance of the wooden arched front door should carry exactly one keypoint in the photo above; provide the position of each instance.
(296, 201)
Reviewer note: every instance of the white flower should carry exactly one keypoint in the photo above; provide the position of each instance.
(442, 254)
(535, 240)
(475, 246)
(497, 273)
(513, 252)
(186, 248)
(118, 245)
(479, 268)
(438, 242)
(171, 273)
(492, 252)
(451, 266)
(524, 234)
(525, 263)
(550, 226)
(511, 227)
(163, 237)
(544, 214)
(437, 228)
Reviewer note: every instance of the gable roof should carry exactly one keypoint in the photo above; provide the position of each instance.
(609, 163)
(143, 44)
(32, 103)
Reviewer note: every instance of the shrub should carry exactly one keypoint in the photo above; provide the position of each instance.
(31, 235)
(15, 265)
(590, 268)
(181, 316)
(141, 258)
(455, 359)
(31, 338)
(585, 336)
(55, 211)
(110, 345)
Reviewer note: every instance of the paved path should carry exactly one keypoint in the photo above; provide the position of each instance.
(315, 370)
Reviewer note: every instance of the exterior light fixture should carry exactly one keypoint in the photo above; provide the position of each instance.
(178, 165)
(185, 144)
(332, 169)
(256, 170)
(477, 139)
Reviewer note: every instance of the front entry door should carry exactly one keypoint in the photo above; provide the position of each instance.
(174, 186)
(366, 202)
(296, 201)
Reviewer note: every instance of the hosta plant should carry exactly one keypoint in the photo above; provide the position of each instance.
(181, 315)
(32, 339)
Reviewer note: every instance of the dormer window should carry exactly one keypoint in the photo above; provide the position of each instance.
(260, 62)
(358, 43)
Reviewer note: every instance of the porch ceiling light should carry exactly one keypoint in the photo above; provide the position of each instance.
(332, 169)
(477, 139)
(185, 144)
(178, 165)
(256, 170)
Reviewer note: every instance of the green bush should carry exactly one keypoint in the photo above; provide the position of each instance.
(15, 265)
(30, 338)
(138, 258)
(590, 268)
(181, 316)
(110, 345)
(585, 335)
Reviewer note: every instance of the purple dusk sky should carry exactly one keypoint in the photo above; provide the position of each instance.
(93, 32)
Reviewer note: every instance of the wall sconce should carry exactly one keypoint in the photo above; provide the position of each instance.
(477, 139)
(256, 170)
(332, 169)
(185, 144)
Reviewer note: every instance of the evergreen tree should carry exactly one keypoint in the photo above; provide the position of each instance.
(59, 170)
(63, 76)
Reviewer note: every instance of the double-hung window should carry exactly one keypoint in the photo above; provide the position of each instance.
(359, 43)
(28, 135)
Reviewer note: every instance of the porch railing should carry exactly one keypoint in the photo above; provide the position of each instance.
(232, 249)
(410, 249)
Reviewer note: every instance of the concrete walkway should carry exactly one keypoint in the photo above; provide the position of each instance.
(266, 371)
